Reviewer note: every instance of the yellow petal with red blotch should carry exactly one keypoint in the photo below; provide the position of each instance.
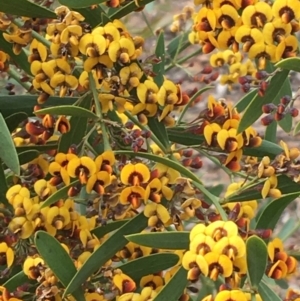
(100, 43)
(64, 212)
(113, 50)
(85, 41)
(202, 244)
(188, 259)
(10, 256)
(212, 19)
(90, 63)
(126, 171)
(127, 43)
(209, 130)
(89, 164)
(233, 247)
(35, 67)
(222, 137)
(198, 229)
(52, 213)
(163, 213)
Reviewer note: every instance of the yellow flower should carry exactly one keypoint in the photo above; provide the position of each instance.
(82, 168)
(163, 171)
(154, 281)
(124, 283)
(227, 17)
(269, 188)
(135, 174)
(232, 295)
(218, 264)
(233, 247)
(131, 75)
(21, 226)
(287, 10)
(274, 31)
(195, 265)
(262, 52)
(32, 267)
(219, 229)
(147, 92)
(6, 255)
(257, 15)
(98, 182)
(201, 244)
(133, 195)
(157, 214)
(58, 217)
(122, 50)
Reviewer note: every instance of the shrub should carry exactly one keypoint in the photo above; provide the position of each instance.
(101, 193)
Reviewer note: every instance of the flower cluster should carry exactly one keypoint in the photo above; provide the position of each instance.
(264, 31)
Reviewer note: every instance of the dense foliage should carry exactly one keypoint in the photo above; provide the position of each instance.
(101, 193)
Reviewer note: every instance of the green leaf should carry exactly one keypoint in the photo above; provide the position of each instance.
(27, 156)
(253, 110)
(39, 148)
(15, 281)
(271, 132)
(267, 148)
(192, 99)
(162, 240)
(159, 68)
(155, 263)
(292, 63)
(126, 9)
(271, 214)
(296, 129)
(184, 171)
(59, 194)
(3, 187)
(14, 120)
(8, 152)
(257, 256)
(80, 3)
(102, 230)
(106, 251)
(159, 130)
(184, 136)
(180, 41)
(266, 293)
(174, 288)
(24, 103)
(58, 260)
(25, 8)
(68, 110)
(288, 229)
(244, 101)
(78, 126)
(20, 60)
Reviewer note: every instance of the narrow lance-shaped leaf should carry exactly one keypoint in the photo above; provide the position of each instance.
(100, 231)
(15, 281)
(292, 63)
(14, 120)
(58, 260)
(80, 3)
(147, 265)
(159, 68)
(68, 110)
(24, 103)
(8, 152)
(106, 251)
(257, 256)
(3, 187)
(271, 214)
(25, 8)
(174, 288)
(266, 293)
(162, 240)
